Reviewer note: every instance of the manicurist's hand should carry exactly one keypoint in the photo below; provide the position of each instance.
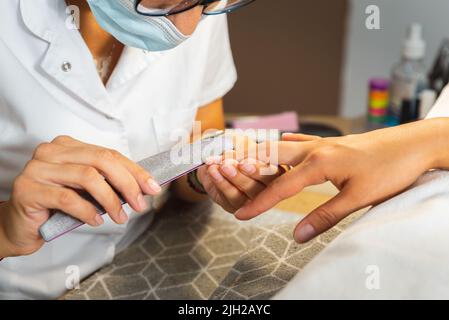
(232, 183)
(49, 181)
(367, 169)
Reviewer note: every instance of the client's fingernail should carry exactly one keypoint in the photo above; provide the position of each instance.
(213, 160)
(229, 170)
(99, 220)
(142, 203)
(305, 233)
(248, 168)
(216, 175)
(123, 216)
(154, 186)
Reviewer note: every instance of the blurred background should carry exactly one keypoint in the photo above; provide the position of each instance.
(317, 57)
(286, 51)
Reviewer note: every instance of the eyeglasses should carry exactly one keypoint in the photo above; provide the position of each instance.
(161, 8)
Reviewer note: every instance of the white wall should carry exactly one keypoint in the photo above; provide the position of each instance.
(371, 53)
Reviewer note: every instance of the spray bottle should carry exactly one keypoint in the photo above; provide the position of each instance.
(409, 77)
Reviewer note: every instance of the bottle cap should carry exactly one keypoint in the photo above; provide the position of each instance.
(414, 47)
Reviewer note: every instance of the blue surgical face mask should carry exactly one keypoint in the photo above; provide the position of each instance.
(119, 18)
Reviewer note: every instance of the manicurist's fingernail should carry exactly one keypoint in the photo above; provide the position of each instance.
(123, 216)
(229, 170)
(248, 168)
(99, 220)
(154, 186)
(142, 203)
(216, 175)
(305, 233)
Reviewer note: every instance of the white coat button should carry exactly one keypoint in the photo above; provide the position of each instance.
(66, 66)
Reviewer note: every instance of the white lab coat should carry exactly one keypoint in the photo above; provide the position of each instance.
(49, 86)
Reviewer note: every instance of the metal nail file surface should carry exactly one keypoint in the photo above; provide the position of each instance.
(164, 167)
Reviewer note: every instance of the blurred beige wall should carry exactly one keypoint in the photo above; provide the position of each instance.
(289, 55)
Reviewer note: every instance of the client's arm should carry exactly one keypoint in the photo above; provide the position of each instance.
(367, 169)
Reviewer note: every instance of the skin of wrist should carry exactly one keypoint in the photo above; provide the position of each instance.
(429, 139)
(440, 153)
(425, 142)
(6, 247)
(184, 192)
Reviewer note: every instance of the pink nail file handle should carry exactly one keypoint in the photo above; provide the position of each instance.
(161, 166)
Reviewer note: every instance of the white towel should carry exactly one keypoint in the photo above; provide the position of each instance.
(398, 250)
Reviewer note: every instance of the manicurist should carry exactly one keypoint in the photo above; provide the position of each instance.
(87, 89)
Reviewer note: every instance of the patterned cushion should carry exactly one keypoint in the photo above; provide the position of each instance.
(201, 252)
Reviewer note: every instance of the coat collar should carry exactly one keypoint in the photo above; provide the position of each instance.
(37, 17)
(49, 20)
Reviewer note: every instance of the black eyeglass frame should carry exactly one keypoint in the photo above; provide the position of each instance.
(204, 3)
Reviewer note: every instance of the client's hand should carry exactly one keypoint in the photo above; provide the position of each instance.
(367, 169)
(48, 182)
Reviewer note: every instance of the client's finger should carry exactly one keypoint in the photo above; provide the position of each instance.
(299, 137)
(282, 188)
(259, 171)
(327, 216)
(284, 152)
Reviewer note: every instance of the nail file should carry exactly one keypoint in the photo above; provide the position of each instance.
(164, 167)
